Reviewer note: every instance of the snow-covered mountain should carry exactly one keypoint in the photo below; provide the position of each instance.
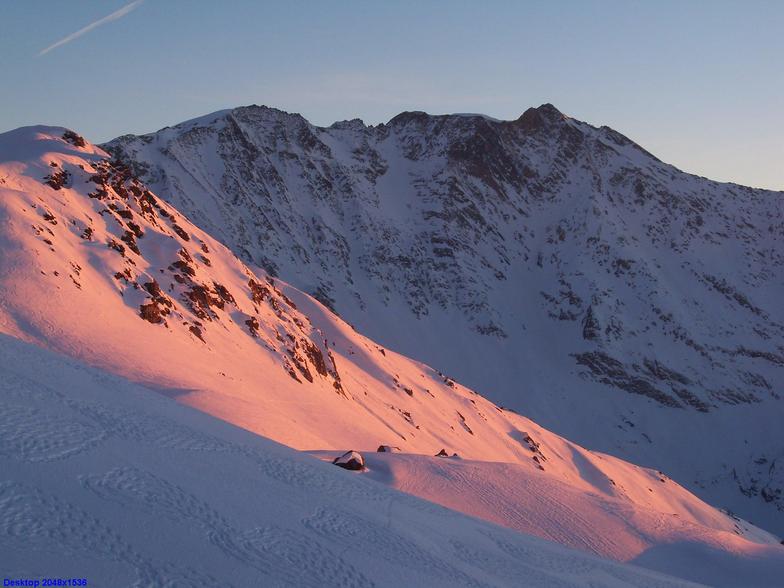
(96, 266)
(556, 267)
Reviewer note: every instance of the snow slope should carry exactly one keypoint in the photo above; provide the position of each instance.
(556, 267)
(94, 265)
(103, 479)
(570, 514)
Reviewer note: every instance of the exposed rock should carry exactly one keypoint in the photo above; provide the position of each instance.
(196, 330)
(253, 326)
(58, 180)
(351, 460)
(73, 138)
(181, 232)
(151, 312)
(591, 327)
(614, 373)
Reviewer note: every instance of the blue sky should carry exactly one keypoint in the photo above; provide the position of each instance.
(700, 84)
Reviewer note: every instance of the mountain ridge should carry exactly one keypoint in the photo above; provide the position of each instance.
(95, 266)
(531, 259)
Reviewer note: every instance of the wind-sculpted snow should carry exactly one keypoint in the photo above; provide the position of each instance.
(556, 267)
(128, 511)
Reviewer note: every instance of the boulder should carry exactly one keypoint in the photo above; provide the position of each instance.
(443, 453)
(388, 449)
(351, 460)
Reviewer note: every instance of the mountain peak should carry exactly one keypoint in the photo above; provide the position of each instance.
(408, 116)
(547, 109)
(538, 118)
(355, 124)
(33, 142)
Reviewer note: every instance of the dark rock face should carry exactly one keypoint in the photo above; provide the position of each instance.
(613, 372)
(351, 460)
(74, 138)
(591, 328)
(58, 180)
(150, 312)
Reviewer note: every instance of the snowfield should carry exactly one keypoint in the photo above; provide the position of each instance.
(106, 480)
(100, 474)
(542, 505)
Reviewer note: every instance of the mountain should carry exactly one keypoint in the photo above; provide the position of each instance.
(556, 267)
(95, 266)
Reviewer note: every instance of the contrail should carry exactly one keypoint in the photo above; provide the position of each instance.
(93, 25)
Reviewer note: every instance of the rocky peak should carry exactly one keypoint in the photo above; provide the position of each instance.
(355, 124)
(536, 119)
(256, 112)
(417, 117)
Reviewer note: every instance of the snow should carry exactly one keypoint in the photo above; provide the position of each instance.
(249, 366)
(106, 480)
(481, 247)
(539, 503)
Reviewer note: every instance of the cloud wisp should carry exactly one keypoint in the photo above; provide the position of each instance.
(117, 14)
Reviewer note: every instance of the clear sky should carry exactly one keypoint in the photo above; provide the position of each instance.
(698, 83)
